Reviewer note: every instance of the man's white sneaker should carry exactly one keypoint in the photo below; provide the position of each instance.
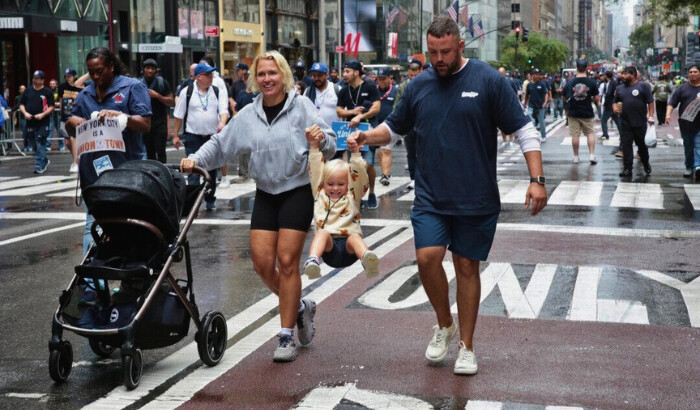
(440, 343)
(466, 361)
(224, 182)
(73, 168)
(593, 159)
(575, 159)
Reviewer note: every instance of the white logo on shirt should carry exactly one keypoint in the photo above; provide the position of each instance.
(635, 92)
(470, 94)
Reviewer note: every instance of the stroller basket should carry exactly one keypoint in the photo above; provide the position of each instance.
(145, 190)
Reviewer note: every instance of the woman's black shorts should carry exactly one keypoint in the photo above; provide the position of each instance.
(293, 209)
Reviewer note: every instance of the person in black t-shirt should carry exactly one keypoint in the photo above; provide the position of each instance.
(240, 84)
(161, 100)
(537, 97)
(67, 93)
(359, 101)
(37, 105)
(581, 92)
(634, 103)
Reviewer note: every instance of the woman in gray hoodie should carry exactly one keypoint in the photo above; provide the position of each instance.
(274, 130)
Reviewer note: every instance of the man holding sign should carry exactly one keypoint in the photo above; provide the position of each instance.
(688, 96)
(359, 102)
(118, 103)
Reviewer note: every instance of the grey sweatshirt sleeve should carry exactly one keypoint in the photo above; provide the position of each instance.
(220, 148)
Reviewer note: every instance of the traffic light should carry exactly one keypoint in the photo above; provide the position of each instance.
(525, 34)
(517, 32)
(529, 61)
(617, 52)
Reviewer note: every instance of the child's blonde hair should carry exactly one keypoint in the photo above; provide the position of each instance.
(332, 166)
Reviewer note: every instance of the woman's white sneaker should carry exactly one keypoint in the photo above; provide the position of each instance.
(466, 361)
(440, 343)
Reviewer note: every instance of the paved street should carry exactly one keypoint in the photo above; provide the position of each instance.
(594, 303)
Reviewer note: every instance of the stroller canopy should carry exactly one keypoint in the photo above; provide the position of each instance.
(146, 190)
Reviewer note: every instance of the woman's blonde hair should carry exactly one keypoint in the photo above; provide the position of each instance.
(281, 62)
(334, 165)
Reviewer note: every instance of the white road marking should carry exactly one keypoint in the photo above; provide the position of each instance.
(693, 192)
(584, 301)
(410, 196)
(634, 195)
(483, 405)
(330, 397)
(7, 178)
(622, 311)
(689, 291)
(513, 191)
(235, 190)
(395, 183)
(536, 291)
(41, 233)
(579, 193)
(71, 193)
(33, 181)
(31, 396)
(670, 136)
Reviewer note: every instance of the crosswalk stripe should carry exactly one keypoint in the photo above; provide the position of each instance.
(27, 182)
(634, 195)
(693, 192)
(581, 193)
(395, 183)
(7, 178)
(67, 194)
(513, 191)
(235, 190)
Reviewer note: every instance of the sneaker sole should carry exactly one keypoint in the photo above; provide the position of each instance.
(284, 359)
(370, 261)
(311, 306)
(312, 271)
(466, 372)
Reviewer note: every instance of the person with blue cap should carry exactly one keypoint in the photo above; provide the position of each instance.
(323, 93)
(202, 111)
(37, 105)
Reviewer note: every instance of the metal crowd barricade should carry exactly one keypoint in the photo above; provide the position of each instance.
(7, 139)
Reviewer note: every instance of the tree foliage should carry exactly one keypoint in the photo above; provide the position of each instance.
(672, 12)
(546, 54)
(642, 38)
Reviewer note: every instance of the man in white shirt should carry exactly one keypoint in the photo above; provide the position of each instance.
(323, 93)
(203, 108)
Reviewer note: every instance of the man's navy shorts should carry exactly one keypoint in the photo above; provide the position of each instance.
(339, 257)
(469, 236)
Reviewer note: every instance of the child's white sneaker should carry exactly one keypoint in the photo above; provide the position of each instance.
(312, 269)
(370, 261)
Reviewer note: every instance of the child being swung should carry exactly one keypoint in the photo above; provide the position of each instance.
(338, 188)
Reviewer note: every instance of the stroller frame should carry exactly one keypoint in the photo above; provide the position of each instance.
(211, 335)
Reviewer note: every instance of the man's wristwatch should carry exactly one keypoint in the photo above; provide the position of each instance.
(539, 179)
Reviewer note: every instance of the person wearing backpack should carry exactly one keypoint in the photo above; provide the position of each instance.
(161, 100)
(662, 90)
(202, 109)
(323, 93)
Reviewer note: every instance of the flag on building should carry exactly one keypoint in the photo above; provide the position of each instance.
(479, 31)
(453, 9)
(464, 17)
(470, 27)
(393, 12)
(393, 45)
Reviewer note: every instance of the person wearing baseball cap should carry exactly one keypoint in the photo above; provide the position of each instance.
(67, 93)
(36, 105)
(323, 93)
(161, 100)
(537, 96)
(239, 85)
(299, 69)
(359, 102)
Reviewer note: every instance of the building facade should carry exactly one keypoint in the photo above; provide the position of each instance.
(242, 32)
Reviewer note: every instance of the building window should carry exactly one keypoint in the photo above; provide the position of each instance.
(292, 6)
(291, 28)
(149, 20)
(247, 11)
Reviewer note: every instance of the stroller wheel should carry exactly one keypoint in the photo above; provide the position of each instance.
(100, 348)
(132, 366)
(61, 362)
(212, 338)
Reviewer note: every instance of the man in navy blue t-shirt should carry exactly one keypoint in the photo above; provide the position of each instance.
(634, 103)
(537, 97)
(456, 108)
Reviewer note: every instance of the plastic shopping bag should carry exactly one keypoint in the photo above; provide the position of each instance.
(650, 137)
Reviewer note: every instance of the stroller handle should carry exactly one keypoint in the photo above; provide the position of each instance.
(196, 170)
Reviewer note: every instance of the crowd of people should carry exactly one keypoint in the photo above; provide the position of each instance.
(277, 121)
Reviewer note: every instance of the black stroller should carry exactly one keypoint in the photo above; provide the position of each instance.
(137, 209)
